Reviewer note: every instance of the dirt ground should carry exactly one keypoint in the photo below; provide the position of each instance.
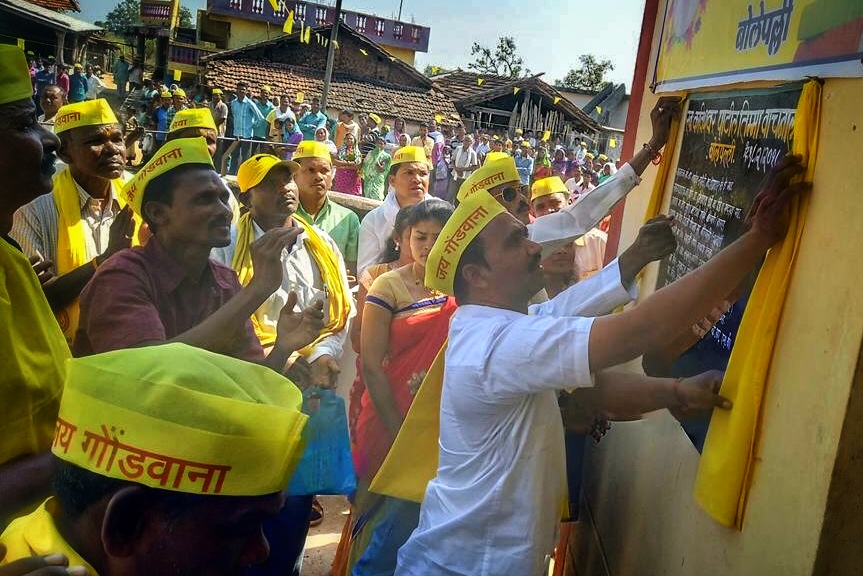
(322, 541)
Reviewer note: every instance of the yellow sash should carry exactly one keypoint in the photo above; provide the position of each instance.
(726, 465)
(328, 265)
(37, 535)
(71, 239)
(34, 355)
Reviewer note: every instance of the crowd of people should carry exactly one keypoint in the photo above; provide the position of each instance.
(165, 339)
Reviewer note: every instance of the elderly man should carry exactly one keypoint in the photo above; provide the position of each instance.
(495, 503)
(409, 183)
(157, 456)
(313, 271)
(82, 222)
(313, 179)
(50, 101)
(170, 290)
(32, 346)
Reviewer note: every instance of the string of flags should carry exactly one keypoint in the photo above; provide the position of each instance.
(515, 90)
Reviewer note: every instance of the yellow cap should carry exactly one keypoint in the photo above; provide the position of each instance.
(312, 149)
(375, 117)
(193, 118)
(164, 94)
(494, 172)
(519, 131)
(589, 156)
(77, 66)
(231, 416)
(409, 154)
(465, 224)
(217, 90)
(256, 168)
(172, 155)
(14, 75)
(495, 156)
(266, 89)
(179, 92)
(88, 113)
(546, 186)
(495, 137)
(582, 144)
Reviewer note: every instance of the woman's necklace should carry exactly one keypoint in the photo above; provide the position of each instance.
(419, 283)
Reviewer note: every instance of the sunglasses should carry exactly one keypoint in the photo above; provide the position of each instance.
(508, 194)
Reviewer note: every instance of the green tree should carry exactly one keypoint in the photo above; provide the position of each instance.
(128, 13)
(502, 60)
(590, 76)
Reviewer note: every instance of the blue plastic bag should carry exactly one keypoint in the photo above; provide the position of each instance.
(326, 466)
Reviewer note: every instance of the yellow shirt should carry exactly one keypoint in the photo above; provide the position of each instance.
(34, 353)
(37, 535)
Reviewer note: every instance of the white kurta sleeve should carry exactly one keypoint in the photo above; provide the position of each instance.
(372, 241)
(535, 354)
(598, 295)
(554, 230)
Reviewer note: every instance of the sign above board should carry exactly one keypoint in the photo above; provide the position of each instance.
(716, 42)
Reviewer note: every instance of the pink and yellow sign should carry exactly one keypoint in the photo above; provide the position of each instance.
(715, 42)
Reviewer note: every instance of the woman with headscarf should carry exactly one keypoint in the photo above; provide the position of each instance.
(559, 164)
(375, 167)
(291, 135)
(323, 135)
(608, 170)
(348, 162)
(541, 164)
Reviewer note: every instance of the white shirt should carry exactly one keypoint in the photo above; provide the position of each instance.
(375, 228)
(462, 159)
(301, 275)
(94, 87)
(495, 504)
(554, 230)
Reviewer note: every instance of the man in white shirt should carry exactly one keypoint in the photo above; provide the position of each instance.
(495, 504)
(464, 161)
(409, 183)
(94, 84)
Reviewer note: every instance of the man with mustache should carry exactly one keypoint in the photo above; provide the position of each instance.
(313, 178)
(82, 222)
(313, 271)
(170, 290)
(408, 181)
(32, 345)
(179, 489)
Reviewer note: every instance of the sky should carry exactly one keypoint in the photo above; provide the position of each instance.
(550, 34)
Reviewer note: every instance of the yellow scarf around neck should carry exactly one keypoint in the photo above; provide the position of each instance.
(71, 239)
(328, 265)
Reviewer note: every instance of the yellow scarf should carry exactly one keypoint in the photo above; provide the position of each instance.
(71, 239)
(328, 265)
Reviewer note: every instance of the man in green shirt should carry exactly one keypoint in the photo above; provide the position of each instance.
(313, 180)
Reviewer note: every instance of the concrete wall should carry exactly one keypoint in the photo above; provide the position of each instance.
(643, 519)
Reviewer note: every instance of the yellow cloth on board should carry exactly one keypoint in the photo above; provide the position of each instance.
(71, 239)
(726, 465)
(654, 205)
(412, 460)
(183, 419)
(37, 535)
(328, 264)
(34, 355)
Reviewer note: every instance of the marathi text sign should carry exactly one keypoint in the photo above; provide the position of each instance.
(730, 142)
(715, 42)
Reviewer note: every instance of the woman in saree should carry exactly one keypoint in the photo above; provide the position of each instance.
(348, 163)
(376, 164)
(404, 326)
(291, 135)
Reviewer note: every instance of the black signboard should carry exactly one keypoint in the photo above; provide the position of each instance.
(730, 141)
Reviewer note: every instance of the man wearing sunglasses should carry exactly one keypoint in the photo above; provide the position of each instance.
(499, 176)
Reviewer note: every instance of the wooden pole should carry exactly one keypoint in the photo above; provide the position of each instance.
(331, 55)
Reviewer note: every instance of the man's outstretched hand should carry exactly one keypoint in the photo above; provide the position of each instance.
(768, 216)
(655, 240)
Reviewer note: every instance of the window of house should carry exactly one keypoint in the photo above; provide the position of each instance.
(398, 30)
(379, 27)
(236, 4)
(361, 23)
(300, 12)
(257, 6)
(321, 15)
(415, 34)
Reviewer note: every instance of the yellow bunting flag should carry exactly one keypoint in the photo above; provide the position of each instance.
(300, 97)
(599, 109)
(515, 90)
(21, 43)
(480, 81)
(288, 28)
(363, 52)
(326, 42)
(392, 58)
(336, 44)
(557, 99)
(438, 117)
(546, 135)
(435, 70)
(318, 37)
(308, 35)
(275, 5)
(178, 74)
(612, 143)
